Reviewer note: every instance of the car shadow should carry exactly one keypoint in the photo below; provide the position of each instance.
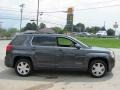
(54, 76)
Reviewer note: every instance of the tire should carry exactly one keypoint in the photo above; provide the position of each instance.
(23, 67)
(97, 68)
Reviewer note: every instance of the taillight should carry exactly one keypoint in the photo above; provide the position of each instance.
(9, 48)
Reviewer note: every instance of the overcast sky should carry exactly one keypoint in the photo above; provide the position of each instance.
(91, 17)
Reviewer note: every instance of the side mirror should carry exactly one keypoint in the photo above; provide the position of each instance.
(77, 46)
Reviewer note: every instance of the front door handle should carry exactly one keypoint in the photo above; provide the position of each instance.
(33, 48)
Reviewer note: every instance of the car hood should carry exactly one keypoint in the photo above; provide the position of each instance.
(100, 49)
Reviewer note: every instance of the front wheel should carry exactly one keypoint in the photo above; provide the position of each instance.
(98, 68)
(23, 67)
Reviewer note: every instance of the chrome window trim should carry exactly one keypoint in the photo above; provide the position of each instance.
(56, 41)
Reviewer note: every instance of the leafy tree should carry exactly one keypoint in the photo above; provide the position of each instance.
(75, 29)
(79, 27)
(2, 32)
(28, 27)
(12, 31)
(42, 25)
(8, 33)
(110, 32)
(65, 30)
(34, 26)
(57, 30)
(93, 29)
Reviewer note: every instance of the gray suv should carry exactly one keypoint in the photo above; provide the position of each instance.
(28, 52)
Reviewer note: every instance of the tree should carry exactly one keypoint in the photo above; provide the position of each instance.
(75, 29)
(110, 32)
(12, 31)
(8, 33)
(79, 27)
(34, 26)
(42, 25)
(93, 29)
(2, 32)
(28, 27)
(57, 30)
(65, 30)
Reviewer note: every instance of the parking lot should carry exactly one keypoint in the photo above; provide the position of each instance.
(51, 80)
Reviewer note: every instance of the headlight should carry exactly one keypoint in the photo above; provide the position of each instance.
(112, 54)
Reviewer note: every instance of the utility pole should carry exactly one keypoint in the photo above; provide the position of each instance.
(38, 16)
(21, 10)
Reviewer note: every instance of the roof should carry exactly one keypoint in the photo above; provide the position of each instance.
(49, 35)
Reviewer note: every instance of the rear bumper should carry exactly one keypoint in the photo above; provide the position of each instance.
(8, 62)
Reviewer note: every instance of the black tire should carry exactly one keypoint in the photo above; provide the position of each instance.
(29, 66)
(94, 71)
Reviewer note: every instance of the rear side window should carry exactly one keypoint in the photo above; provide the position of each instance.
(44, 41)
(19, 40)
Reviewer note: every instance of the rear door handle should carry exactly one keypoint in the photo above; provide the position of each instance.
(60, 50)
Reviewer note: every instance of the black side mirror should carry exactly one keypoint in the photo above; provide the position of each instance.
(77, 46)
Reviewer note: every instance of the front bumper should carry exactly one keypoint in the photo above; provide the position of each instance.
(111, 64)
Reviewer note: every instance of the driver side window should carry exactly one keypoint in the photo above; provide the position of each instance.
(64, 42)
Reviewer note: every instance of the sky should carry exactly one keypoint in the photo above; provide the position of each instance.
(90, 17)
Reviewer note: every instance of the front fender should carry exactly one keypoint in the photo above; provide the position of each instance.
(91, 56)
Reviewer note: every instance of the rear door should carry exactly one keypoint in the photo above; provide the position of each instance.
(44, 51)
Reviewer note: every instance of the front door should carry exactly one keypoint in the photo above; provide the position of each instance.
(66, 53)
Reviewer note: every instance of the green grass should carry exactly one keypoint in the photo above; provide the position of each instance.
(101, 42)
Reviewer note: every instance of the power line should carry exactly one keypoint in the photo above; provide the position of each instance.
(12, 10)
(31, 19)
(107, 1)
(116, 5)
(55, 12)
(13, 18)
(52, 23)
(75, 11)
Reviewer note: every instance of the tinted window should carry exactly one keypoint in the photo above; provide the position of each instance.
(19, 40)
(44, 41)
(64, 42)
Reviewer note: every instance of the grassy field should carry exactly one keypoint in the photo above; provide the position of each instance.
(101, 42)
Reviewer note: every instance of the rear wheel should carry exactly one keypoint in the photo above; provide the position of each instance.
(23, 67)
(98, 68)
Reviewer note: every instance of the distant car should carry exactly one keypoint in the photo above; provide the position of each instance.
(83, 34)
(28, 52)
(101, 33)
